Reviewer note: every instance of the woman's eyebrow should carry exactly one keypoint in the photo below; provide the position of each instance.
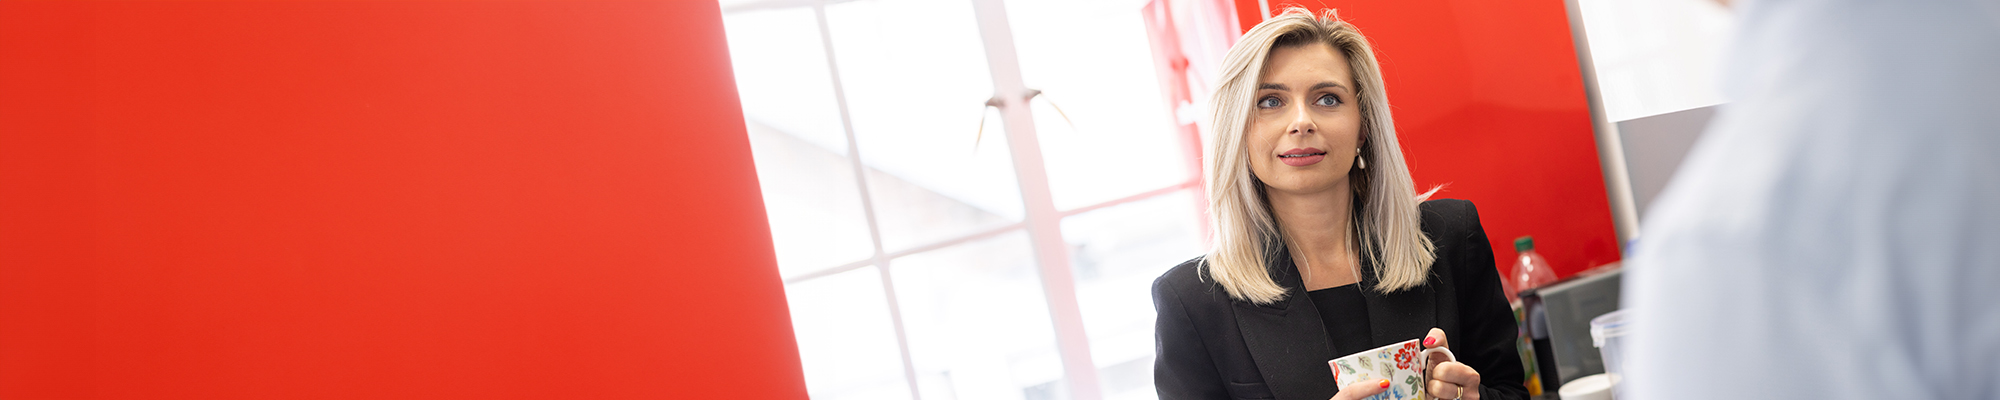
(1282, 87)
(1323, 85)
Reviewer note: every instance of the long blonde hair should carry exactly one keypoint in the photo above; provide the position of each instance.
(1385, 224)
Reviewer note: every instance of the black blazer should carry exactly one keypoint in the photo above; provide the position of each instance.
(1211, 347)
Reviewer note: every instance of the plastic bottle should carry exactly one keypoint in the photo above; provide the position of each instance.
(1530, 270)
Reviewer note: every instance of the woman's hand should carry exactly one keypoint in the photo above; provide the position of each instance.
(1449, 377)
(1362, 390)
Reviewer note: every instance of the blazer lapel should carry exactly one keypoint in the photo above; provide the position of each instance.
(1286, 339)
(1395, 317)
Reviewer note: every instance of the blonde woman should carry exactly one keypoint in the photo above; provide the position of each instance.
(1323, 248)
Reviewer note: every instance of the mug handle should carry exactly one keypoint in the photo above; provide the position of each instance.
(1432, 352)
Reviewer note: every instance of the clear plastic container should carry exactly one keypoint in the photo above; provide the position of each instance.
(1607, 332)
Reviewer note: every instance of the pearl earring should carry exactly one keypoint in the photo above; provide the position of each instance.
(1358, 161)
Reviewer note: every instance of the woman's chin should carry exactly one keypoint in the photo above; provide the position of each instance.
(1308, 185)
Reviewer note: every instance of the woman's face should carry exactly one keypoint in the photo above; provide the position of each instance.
(1304, 125)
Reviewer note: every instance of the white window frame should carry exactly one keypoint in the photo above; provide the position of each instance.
(1042, 220)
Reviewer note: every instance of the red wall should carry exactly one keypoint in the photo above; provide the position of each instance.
(224, 200)
(1489, 100)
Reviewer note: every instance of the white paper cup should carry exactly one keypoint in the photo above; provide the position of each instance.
(1593, 387)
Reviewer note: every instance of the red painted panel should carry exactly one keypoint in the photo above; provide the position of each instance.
(224, 200)
(1248, 14)
(1489, 100)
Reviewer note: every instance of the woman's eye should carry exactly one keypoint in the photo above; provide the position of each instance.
(1270, 102)
(1328, 100)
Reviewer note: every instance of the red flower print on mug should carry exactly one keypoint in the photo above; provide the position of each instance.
(1406, 355)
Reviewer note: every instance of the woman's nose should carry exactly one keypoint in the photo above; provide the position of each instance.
(1302, 122)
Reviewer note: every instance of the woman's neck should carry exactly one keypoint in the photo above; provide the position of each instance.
(1316, 229)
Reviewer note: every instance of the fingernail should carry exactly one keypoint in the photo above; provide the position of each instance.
(1430, 342)
(1385, 383)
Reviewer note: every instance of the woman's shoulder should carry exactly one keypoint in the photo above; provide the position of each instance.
(1187, 275)
(1453, 227)
(1187, 288)
(1444, 219)
(1189, 284)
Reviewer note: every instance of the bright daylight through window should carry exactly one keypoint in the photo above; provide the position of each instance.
(915, 242)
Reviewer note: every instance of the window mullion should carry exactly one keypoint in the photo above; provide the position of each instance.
(1042, 218)
(881, 260)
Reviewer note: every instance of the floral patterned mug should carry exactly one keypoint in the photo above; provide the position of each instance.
(1402, 364)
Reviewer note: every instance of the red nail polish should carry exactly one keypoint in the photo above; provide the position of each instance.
(1385, 383)
(1430, 342)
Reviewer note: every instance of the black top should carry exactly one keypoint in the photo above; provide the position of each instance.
(1209, 346)
(1345, 314)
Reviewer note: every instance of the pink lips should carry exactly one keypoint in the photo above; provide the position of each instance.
(1302, 157)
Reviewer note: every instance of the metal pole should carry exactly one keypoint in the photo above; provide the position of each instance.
(1610, 148)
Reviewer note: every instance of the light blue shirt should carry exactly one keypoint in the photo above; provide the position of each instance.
(1836, 232)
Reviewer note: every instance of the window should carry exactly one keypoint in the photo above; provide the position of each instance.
(1656, 56)
(931, 249)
